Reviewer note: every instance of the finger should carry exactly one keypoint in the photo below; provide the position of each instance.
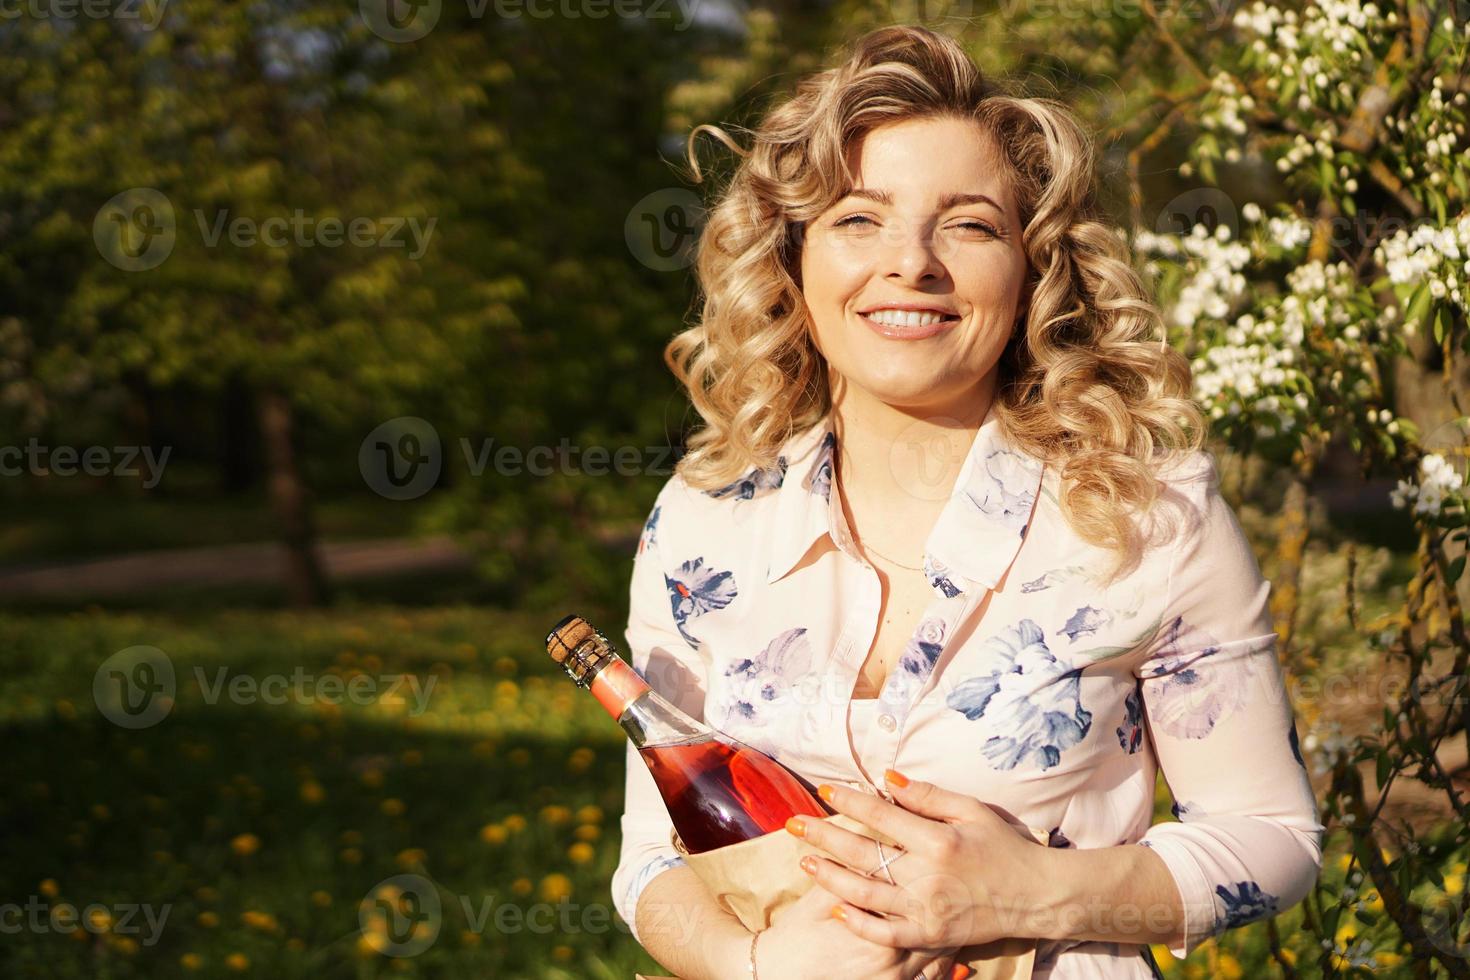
(929, 800)
(910, 830)
(942, 968)
(856, 889)
(852, 849)
(898, 933)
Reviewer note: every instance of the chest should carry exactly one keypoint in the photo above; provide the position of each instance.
(904, 598)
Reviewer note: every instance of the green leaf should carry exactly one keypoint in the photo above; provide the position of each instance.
(1456, 568)
(1384, 766)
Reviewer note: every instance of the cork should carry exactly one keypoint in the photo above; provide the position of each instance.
(565, 636)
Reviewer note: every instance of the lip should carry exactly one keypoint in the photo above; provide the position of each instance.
(908, 333)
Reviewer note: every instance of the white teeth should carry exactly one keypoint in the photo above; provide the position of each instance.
(904, 318)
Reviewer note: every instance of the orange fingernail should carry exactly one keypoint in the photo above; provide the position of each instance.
(838, 912)
(960, 971)
(895, 777)
(797, 826)
(809, 864)
(825, 792)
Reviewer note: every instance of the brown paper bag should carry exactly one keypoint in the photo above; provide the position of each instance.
(757, 879)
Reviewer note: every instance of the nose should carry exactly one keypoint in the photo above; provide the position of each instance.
(911, 254)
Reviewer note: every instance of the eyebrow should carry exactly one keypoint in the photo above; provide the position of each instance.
(946, 202)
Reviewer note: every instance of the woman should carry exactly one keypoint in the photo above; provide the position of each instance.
(947, 545)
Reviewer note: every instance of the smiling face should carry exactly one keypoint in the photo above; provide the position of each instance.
(930, 222)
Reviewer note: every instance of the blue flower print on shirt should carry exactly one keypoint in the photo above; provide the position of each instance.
(1246, 903)
(914, 665)
(1296, 745)
(1004, 489)
(753, 483)
(1130, 733)
(1185, 811)
(1085, 622)
(648, 537)
(754, 686)
(695, 590)
(1186, 701)
(1029, 706)
(937, 572)
(1052, 577)
(819, 477)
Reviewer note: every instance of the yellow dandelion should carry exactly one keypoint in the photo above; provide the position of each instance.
(99, 919)
(591, 813)
(521, 886)
(263, 921)
(392, 806)
(1386, 958)
(518, 757)
(372, 778)
(207, 920)
(468, 938)
(238, 962)
(555, 887)
(50, 888)
(191, 961)
(351, 855)
(515, 823)
(412, 757)
(312, 792)
(321, 899)
(493, 833)
(245, 844)
(1454, 882)
(126, 945)
(561, 953)
(1228, 966)
(587, 831)
(206, 894)
(581, 852)
(555, 814)
(411, 857)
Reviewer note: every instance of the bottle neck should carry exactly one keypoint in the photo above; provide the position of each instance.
(647, 717)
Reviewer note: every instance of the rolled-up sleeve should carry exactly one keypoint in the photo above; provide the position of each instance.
(1248, 843)
(658, 652)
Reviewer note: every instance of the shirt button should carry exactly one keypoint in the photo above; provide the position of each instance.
(886, 722)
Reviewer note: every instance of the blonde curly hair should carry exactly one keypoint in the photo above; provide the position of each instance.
(1088, 385)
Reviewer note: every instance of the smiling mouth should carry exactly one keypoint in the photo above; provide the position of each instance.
(915, 331)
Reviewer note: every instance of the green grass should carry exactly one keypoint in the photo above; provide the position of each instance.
(339, 798)
(61, 526)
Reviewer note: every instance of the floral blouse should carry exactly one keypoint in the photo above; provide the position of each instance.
(1057, 701)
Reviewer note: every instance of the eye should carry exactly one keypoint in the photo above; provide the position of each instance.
(853, 219)
(980, 226)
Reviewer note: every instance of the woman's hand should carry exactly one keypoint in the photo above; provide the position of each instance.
(805, 941)
(965, 875)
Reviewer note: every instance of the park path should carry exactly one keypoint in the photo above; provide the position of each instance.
(241, 564)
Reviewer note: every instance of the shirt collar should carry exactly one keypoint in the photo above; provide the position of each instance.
(979, 530)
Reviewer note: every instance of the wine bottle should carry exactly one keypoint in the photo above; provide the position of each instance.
(718, 790)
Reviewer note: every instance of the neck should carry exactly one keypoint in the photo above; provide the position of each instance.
(902, 462)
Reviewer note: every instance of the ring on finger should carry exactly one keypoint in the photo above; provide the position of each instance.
(884, 861)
